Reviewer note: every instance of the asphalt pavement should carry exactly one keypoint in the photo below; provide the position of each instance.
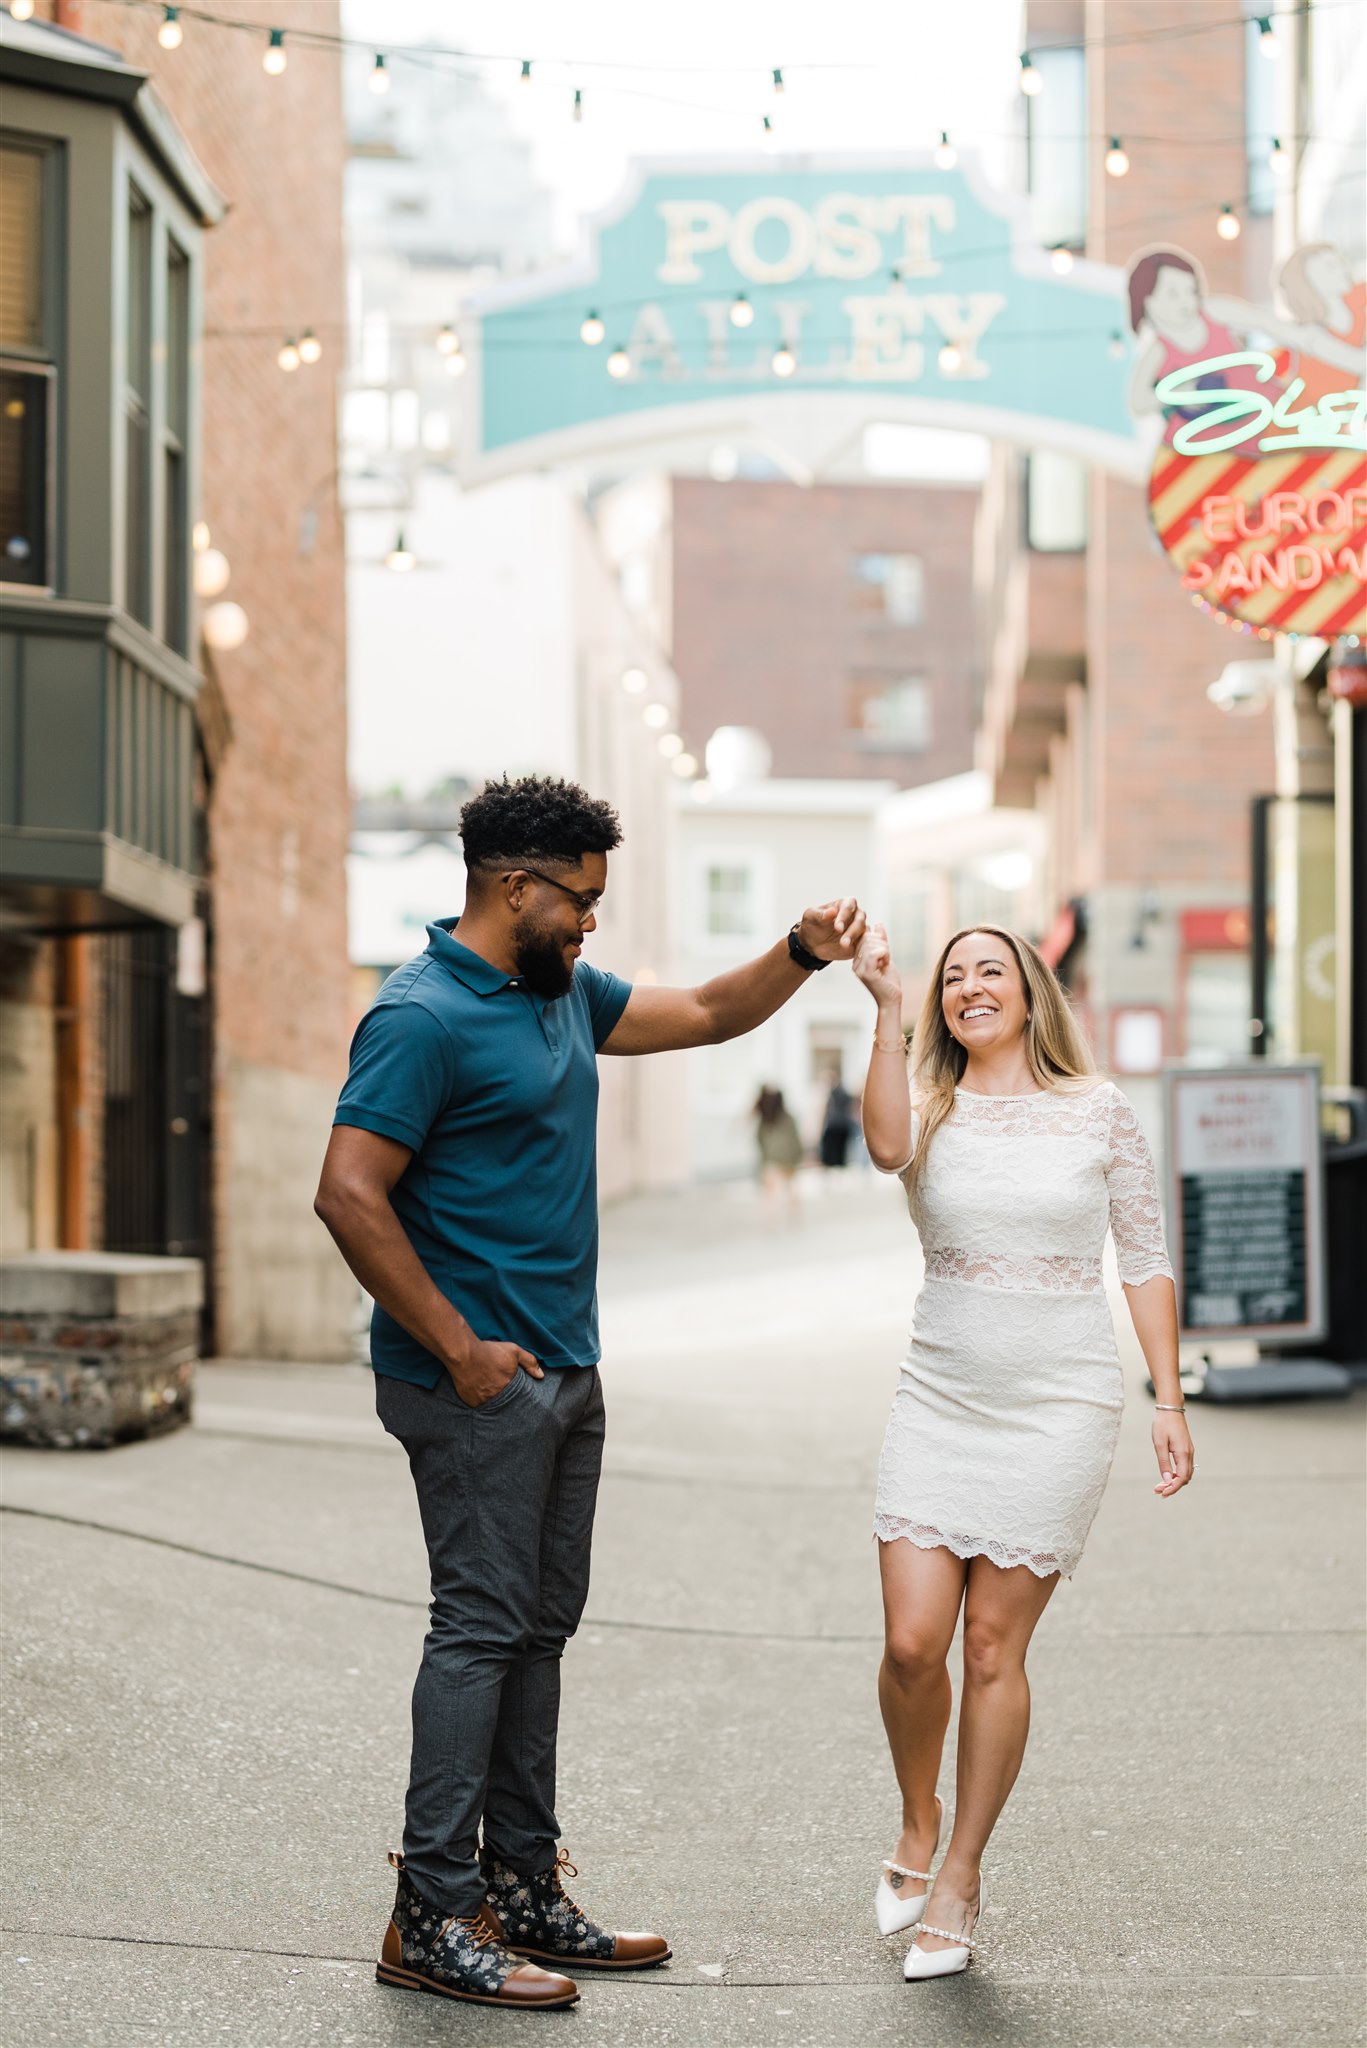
(211, 1640)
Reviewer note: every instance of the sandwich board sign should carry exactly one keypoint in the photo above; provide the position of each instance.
(1245, 1201)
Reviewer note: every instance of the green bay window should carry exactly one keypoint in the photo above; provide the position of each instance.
(137, 413)
(28, 369)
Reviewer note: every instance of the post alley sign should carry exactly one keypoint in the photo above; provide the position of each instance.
(797, 299)
(1258, 489)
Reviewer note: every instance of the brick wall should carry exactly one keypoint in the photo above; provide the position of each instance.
(771, 628)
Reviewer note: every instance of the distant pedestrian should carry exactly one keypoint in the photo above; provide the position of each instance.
(779, 1144)
(837, 1123)
(460, 1185)
(1015, 1156)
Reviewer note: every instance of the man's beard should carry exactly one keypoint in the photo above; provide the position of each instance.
(542, 962)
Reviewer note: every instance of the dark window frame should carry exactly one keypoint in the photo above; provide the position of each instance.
(43, 363)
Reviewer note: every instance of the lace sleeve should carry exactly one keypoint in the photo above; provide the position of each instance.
(1132, 1188)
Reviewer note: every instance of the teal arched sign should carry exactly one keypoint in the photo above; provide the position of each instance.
(769, 295)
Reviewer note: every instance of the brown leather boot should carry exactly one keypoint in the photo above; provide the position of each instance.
(536, 1916)
(425, 1949)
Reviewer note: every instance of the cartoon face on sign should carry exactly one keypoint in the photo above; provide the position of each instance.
(1258, 490)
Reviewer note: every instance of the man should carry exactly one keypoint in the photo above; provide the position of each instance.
(460, 1185)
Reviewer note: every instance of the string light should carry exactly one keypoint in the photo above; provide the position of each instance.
(289, 357)
(656, 716)
(1115, 347)
(170, 35)
(767, 133)
(1277, 157)
(591, 330)
(310, 348)
(577, 110)
(275, 59)
(619, 363)
(455, 362)
(225, 626)
(379, 77)
(448, 341)
(742, 312)
(400, 558)
(525, 75)
(1228, 227)
(1267, 36)
(200, 536)
(1061, 259)
(783, 362)
(1117, 163)
(685, 766)
(778, 78)
(670, 745)
(634, 681)
(951, 359)
(212, 573)
(21, 10)
(946, 155)
(1030, 80)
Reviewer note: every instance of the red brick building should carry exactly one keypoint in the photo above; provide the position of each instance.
(836, 619)
(159, 1118)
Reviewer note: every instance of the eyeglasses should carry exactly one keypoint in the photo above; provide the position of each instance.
(585, 905)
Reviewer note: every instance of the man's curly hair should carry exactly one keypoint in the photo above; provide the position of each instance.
(537, 818)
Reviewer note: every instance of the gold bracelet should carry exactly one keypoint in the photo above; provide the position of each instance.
(1171, 1407)
(879, 1046)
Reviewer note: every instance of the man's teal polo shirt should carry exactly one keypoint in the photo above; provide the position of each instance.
(495, 1091)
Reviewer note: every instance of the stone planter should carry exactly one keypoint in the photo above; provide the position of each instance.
(96, 1347)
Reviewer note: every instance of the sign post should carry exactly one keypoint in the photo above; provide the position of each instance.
(1245, 1199)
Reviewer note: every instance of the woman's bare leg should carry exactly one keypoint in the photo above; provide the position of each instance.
(1001, 1609)
(922, 1590)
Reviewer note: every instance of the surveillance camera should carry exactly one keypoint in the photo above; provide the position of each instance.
(1243, 686)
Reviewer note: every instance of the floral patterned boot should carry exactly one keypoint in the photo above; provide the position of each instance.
(427, 1950)
(536, 1916)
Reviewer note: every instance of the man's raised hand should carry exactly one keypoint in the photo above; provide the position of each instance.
(833, 930)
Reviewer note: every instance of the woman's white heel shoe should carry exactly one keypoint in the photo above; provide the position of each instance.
(944, 1962)
(894, 1910)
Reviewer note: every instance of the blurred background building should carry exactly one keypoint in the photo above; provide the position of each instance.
(175, 997)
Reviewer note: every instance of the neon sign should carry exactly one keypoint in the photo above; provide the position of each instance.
(1233, 417)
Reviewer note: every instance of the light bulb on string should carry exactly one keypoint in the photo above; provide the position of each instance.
(448, 341)
(767, 135)
(591, 330)
(21, 10)
(783, 362)
(455, 363)
(225, 626)
(400, 558)
(685, 766)
(289, 357)
(275, 59)
(619, 363)
(1117, 163)
(1278, 158)
(778, 78)
(1228, 227)
(742, 312)
(577, 110)
(1115, 347)
(946, 155)
(1030, 80)
(525, 75)
(200, 536)
(1267, 36)
(1060, 259)
(211, 573)
(170, 35)
(950, 359)
(656, 716)
(310, 348)
(634, 681)
(379, 76)
(670, 744)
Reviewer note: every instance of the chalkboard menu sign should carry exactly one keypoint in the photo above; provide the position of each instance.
(1245, 1208)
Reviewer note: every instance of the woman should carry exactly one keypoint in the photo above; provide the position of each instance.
(1015, 1156)
(780, 1148)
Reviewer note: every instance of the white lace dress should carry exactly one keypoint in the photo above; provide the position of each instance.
(1004, 1422)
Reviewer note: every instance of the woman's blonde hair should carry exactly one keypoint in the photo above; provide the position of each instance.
(1058, 1053)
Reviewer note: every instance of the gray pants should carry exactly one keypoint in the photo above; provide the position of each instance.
(507, 1494)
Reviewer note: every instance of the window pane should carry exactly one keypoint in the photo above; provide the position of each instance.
(137, 447)
(138, 369)
(177, 342)
(21, 247)
(1057, 143)
(1055, 502)
(730, 903)
(23, 477)
(896, 715)
(176, 573)
(892, 584)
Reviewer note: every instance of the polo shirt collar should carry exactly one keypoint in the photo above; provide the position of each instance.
(478, 974)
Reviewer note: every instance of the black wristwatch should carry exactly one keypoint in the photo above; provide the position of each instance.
(808, 962)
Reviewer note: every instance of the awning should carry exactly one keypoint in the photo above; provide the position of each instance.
(1060, 935)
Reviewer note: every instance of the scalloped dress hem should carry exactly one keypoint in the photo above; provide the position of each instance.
(1006, 1556)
